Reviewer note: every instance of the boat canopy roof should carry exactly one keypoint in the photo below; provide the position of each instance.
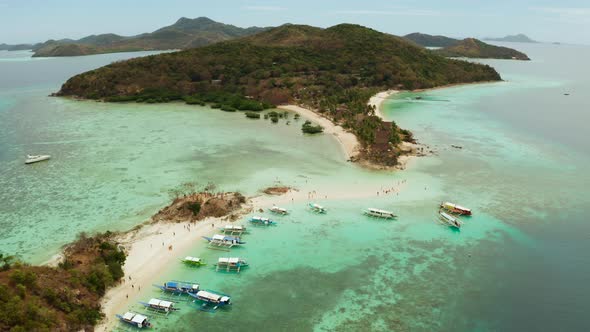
(317, 206)
(192, 259)
(455, 206)
(160, 303)
(128, 316)
(447, 216)
(234, 227)
(231, 260)
(260, 218)
(176, 284)
(209, 296)
(218, 237)
(276, 208)
(380, 211)
(139, 318)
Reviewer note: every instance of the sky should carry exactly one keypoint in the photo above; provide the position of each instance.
(29, 21)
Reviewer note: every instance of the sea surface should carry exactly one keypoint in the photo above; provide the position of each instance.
(521, 161)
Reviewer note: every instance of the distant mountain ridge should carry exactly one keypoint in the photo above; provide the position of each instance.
(185, 33)
(475, 48)
(427, 40)
(17, 47)
(519, 38)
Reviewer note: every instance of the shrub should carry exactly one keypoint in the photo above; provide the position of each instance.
(253, 115)
(308, 128)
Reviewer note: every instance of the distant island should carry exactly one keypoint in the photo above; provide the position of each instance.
(185, 33)
(519, 38)
(18, 47)
(474, 48)
(427, 40)
(333, 71)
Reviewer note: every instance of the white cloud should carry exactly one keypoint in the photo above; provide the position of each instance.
(400, 12)
(265, 8)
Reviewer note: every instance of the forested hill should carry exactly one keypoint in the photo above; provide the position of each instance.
(334, 70)
(474, 48)
(426, 40)
(185, 33)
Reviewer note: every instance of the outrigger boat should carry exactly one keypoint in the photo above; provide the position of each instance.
(211, 300)
(137, 320)
(379, 213)
(279, 210)
(193, 261)
(162, 306)
(231, 264)
(233, 229)
(223, 241)
(317, 208)
(454, 208)
(449, 220)
(262, 221)
(35, 159)
(179, 287)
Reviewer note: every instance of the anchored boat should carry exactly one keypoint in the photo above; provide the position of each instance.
(179, 287)
(193, 261)
(379, 213)
(317, 208)
(219, 241)
(279, 210)
(262, 221)
(137, 320)
(231, 264)
(447, 219)
(211, 300)
(31, 159)
(454, 208)
(160, 306)
(233, 229)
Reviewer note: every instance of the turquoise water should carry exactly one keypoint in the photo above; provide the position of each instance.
(520, 263)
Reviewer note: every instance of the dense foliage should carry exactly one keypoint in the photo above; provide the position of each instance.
(64, 298)
(427, 40)
(309, 128)
(334, 71)
(474, 48)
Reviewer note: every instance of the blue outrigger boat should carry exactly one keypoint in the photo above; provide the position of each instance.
(135, 319)
(262, 221)
(211, 300)
(179, 287)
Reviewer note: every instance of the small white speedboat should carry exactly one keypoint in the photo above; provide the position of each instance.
(35, 159)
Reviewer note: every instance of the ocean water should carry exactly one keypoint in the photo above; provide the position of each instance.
(520, 263)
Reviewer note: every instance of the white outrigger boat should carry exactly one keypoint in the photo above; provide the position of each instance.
(193, 261)
(223, 242)
(31, 159)
(161, 306)
(317, 208)
(447, 219)
(233, 229)
(454, 208)
(211, 300)
(135, 319)
(379, 213)
(257, 220)
(279, 210)
(231, 264)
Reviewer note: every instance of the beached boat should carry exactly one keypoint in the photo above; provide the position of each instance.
(257, 220)
(279, 210)
(137, 320)
(379, 213)
(31, 159)
(231, 264)
(233, 229)
(449, 220)
(160, 305)
(219, 241)
(193, 261)
(317, 208)
(211, 300)
(179, 287)
(454, 208)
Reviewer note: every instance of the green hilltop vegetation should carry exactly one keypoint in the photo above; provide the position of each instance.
(474, 48)
(185, 33)
(427, 40)
(62, 298)
(334, 71)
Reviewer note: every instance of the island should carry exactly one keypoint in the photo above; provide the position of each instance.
(427, 40)
(474, 48)
(185, 33)
(332, 72)
(519, 38)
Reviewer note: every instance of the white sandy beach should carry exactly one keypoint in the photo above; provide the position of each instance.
(348, 141)
(378, 99)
